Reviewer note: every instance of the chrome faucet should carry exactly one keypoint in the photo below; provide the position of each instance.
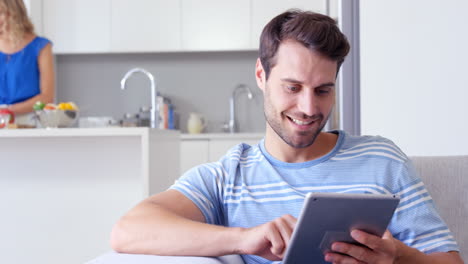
(154, 107)
(232, 110)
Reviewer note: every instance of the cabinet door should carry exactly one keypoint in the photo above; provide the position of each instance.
(193, 153)
(219, 147)
(145, 25)
(34, 8)
(215, 25)
(77, 26)
(264, 10)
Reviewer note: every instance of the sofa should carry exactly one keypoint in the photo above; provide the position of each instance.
(446, 179)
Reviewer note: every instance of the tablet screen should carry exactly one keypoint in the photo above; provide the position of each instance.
(330, 217)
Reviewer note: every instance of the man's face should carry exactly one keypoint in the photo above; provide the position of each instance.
(299, 93)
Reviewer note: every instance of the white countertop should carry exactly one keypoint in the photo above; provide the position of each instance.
(83, 132)
(120, 131)
(222, 136)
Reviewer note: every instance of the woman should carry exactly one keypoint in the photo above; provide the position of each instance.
(26, 63)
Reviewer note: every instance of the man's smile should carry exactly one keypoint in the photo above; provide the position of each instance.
(303, 123)
(300, 122)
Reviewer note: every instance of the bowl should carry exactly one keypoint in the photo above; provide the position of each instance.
(56, 118)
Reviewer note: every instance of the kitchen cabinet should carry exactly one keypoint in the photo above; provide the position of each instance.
(215, 25)
(77, 26)
(145, 25)
(203, 148)
(34, 8)
(192, 153)
(264, 10)
(111, 26)
(62, 190)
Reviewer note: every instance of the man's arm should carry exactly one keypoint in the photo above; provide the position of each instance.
(386, 250)
(412, 255)
(171, 224)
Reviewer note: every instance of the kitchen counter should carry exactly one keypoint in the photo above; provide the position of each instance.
(233, 136)
(63, 189)
(85, 132)
(120, 131)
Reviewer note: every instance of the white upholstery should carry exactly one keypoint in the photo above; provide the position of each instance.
(446, 178)
(115, 258)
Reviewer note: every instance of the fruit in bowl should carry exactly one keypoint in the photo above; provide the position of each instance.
(6, 117)
(54, 116)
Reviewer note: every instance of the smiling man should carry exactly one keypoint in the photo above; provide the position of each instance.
(247, 203)
(299, 96)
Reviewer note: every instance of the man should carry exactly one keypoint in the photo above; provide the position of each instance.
(244, 204)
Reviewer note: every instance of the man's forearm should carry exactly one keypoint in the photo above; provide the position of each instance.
(151, 229)
(413, 256)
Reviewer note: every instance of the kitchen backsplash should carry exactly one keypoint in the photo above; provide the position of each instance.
(195, 82)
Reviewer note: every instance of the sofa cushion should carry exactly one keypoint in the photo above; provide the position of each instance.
(446, 179)
(118, 258)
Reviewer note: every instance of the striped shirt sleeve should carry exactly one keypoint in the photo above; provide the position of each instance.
(416, 221)
(203, 185)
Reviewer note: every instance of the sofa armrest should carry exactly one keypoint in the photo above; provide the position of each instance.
(118, 258)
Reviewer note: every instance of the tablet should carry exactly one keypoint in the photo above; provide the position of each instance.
(329, 217)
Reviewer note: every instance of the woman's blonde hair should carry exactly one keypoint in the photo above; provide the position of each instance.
(16, 20)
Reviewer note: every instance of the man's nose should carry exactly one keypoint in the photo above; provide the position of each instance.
(308, 103)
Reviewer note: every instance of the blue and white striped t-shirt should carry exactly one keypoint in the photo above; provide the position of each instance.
(248, 187)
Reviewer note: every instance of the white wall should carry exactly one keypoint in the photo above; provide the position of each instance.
(413, 74)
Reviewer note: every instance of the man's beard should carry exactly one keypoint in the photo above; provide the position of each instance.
(306, 138)
(288, 139)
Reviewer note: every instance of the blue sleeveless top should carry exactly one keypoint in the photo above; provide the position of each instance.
(19, 72)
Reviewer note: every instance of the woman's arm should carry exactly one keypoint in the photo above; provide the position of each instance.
(46, 82)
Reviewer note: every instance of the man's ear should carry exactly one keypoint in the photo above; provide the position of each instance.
(260, 75)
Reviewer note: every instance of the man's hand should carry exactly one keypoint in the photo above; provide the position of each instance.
(380, 250)
(268, 240)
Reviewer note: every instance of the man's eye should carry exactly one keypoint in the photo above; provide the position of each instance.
(292, 88)
(323, 91)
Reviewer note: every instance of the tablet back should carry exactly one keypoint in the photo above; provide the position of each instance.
(329, 217)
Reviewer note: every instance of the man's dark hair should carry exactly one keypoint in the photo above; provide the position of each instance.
(315, 31)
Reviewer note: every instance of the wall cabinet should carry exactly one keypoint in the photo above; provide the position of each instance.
(109, 26)
(145, 25)
(193, 153)
(34, 8)
(215, 25)
(264, 10)
(77, 26)
(199, 149)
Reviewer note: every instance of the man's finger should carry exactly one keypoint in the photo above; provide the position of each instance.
(371, 241)
(285, 230)
(291, 220)
(276, 240)
(358, 252)
(387, 235)
(287, 225)
(341, 259)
